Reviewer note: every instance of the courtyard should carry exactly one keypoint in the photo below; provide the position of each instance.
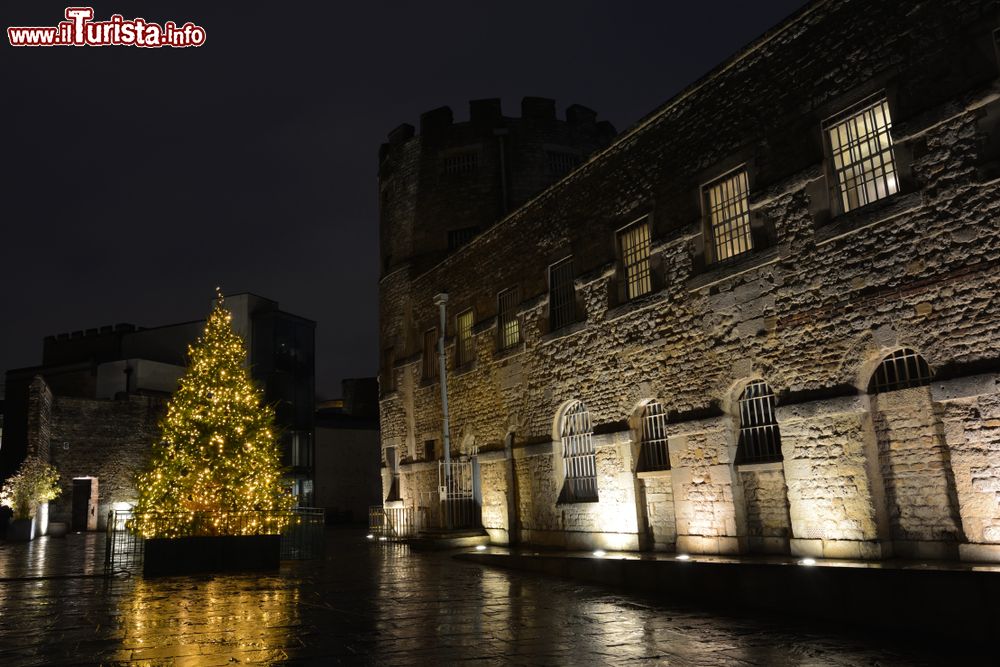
(380, 603)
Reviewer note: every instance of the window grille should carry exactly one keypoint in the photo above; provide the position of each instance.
(562, 295)
(459, 237)
(464, 349)
(634, 245)
(861, 149)
(508, 324)
(653, 453)
(461, 163)
(727, 203)
(560, 163)
(902, 369)
(430, 354)
(388, 376)
(578, 453)
(760, 440)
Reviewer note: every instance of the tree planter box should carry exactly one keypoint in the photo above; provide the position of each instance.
(228, 553)
(21, 530)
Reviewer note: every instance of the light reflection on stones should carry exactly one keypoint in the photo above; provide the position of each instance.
(241, 615)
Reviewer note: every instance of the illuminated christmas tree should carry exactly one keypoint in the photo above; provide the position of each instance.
(216, 469)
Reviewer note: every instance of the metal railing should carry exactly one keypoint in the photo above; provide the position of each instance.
(391, 523)
(301, 530)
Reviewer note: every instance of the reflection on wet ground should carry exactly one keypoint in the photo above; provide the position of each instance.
(373, 604)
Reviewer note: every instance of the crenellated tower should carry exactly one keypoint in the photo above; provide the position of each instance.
(441, 187)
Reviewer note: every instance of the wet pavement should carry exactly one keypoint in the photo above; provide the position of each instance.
(380, 604)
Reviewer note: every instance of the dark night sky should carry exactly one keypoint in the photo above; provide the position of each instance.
(135, 180)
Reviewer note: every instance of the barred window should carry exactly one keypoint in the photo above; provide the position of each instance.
(727, 205)
(459, 237)
(902, 369)
(430, 354)
(760, 440)
(508, 323)
(562, 295)
(464, 349)
(560, 163)
(653, 451)
(861, 149)
(633, 244)
(461, 163)
(579, 455)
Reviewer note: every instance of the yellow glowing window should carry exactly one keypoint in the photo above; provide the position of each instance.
(861, 150)
(508, 324)
(634, 245)
(727, 204)
(464, 345)
(579, 455)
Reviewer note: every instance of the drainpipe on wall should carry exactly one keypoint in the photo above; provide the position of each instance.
(441, 300)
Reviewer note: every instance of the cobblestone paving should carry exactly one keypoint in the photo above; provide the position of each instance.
(380, 605)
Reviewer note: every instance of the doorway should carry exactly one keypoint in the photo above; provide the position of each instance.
(84, 504)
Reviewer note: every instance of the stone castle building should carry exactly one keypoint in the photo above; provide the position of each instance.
(93, 406)
(764, 319)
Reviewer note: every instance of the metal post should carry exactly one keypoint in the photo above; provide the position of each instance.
(441, 300)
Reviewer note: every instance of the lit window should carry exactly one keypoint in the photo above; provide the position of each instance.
(579, 458)
(430, 354)
(634, 246)
(727, 204)
(653, 452)
(508, 324)
(902, 369)
(760, 440)
(464, 349)
(562, 295)
(861, 149)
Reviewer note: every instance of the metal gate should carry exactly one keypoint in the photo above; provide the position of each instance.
(458, 487)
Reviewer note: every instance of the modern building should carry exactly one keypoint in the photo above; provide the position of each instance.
(93, 405)
(764, 319)
(347, 470)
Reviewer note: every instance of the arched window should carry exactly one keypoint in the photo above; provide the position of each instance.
(760, 441)
(576, 434)
(653, 452)
(900, 370)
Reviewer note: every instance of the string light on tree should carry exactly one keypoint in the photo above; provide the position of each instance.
(217, 456)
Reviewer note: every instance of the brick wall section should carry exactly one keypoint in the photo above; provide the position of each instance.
(658, 501)
(915, 467)
(109, 440)
(768, 525)
(811, 310)
(39, 418)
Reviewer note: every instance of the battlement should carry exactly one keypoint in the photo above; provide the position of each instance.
(120, 328)
(442, 186)
(487, 115)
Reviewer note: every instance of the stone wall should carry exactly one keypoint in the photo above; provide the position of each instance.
(108, 440)
(821, 299)
(768, 524)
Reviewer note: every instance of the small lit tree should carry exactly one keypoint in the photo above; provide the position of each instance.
(34, 483)
(216, 469)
